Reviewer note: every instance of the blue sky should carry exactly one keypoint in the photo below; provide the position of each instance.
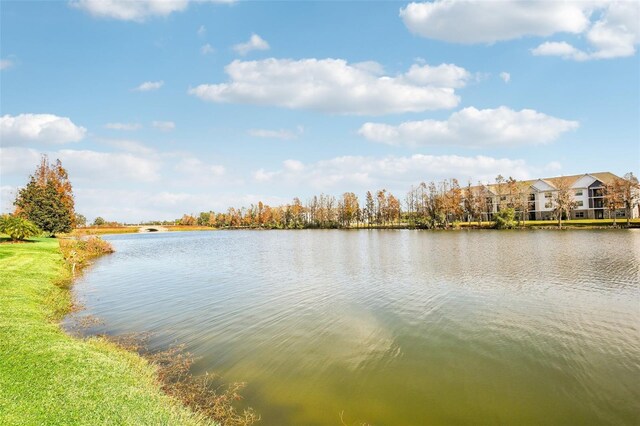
(159, 108)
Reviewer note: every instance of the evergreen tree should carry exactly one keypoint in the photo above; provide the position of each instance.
(47, 200)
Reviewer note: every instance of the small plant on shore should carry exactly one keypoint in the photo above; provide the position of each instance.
(78, 252)
(202, 393)
(505, 219)
(17, 228)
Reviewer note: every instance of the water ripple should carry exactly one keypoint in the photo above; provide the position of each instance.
(402, 327)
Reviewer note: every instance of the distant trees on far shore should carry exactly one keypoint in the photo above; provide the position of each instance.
(428, 205)
(48, 202)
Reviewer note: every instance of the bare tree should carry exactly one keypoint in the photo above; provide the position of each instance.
(393, 209)
(521, 201)
(614, 197)
(630, 194)
(370, 208)
(563, 202)
(500, 189)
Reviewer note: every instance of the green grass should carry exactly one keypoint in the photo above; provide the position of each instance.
(568, 223)
(583, 222)
(50, 378)
(96, 230)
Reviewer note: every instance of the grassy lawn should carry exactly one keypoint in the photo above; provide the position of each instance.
(50, 378)
(573, 222)
(583, 222)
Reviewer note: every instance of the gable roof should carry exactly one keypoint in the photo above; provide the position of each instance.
(553, 182)
(542, 185)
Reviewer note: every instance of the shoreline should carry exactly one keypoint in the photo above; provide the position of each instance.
(48, 375)
(472, 226)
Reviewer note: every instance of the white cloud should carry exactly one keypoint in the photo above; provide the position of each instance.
(611, 28)
(360, 173)
(131, 146)
(614, 34)
(197, 169)
(617, 32)
(100, 165)
(334, 86)
(202, 31)
(255, 43)
(6, 64)
(261, 175)
(40, 128)
(165, 126)
(293, 165)
(7, 195)
(443, 75)
(85, 165)
(18, 161)
(166, 184)
(479, 21)
(148, 86)
(562, 48)
(505, 76)
(123, 126)
(135, 10)
(207, 49)
(474, 128)
(276, 134)
(372, 67)
(140, 205)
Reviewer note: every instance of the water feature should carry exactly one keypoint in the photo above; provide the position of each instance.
(391, 327)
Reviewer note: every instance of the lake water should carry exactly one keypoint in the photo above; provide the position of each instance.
(391, 327)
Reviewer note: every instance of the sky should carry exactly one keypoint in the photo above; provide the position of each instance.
(159, 108)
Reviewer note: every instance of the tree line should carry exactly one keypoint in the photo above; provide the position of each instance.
(47, 204)
(427, 205)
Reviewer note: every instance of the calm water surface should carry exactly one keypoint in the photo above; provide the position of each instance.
(392, 327)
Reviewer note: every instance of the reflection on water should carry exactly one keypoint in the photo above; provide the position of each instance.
(392, 327)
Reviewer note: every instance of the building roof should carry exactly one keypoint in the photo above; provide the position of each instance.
(604, 177)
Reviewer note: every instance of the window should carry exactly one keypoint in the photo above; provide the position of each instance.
(547, 195)
(579, 214)
(578, 192)
(503, 198)
(579, 203)
(620, 213)
(532, 197)
(547, 205)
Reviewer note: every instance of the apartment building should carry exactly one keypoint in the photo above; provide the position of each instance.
(587, 191)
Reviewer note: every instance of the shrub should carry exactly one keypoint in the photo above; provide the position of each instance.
(17, 228)
(504, 219)
(78, 252)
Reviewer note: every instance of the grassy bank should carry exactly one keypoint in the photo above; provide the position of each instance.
(48, 377)
(572, 223)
